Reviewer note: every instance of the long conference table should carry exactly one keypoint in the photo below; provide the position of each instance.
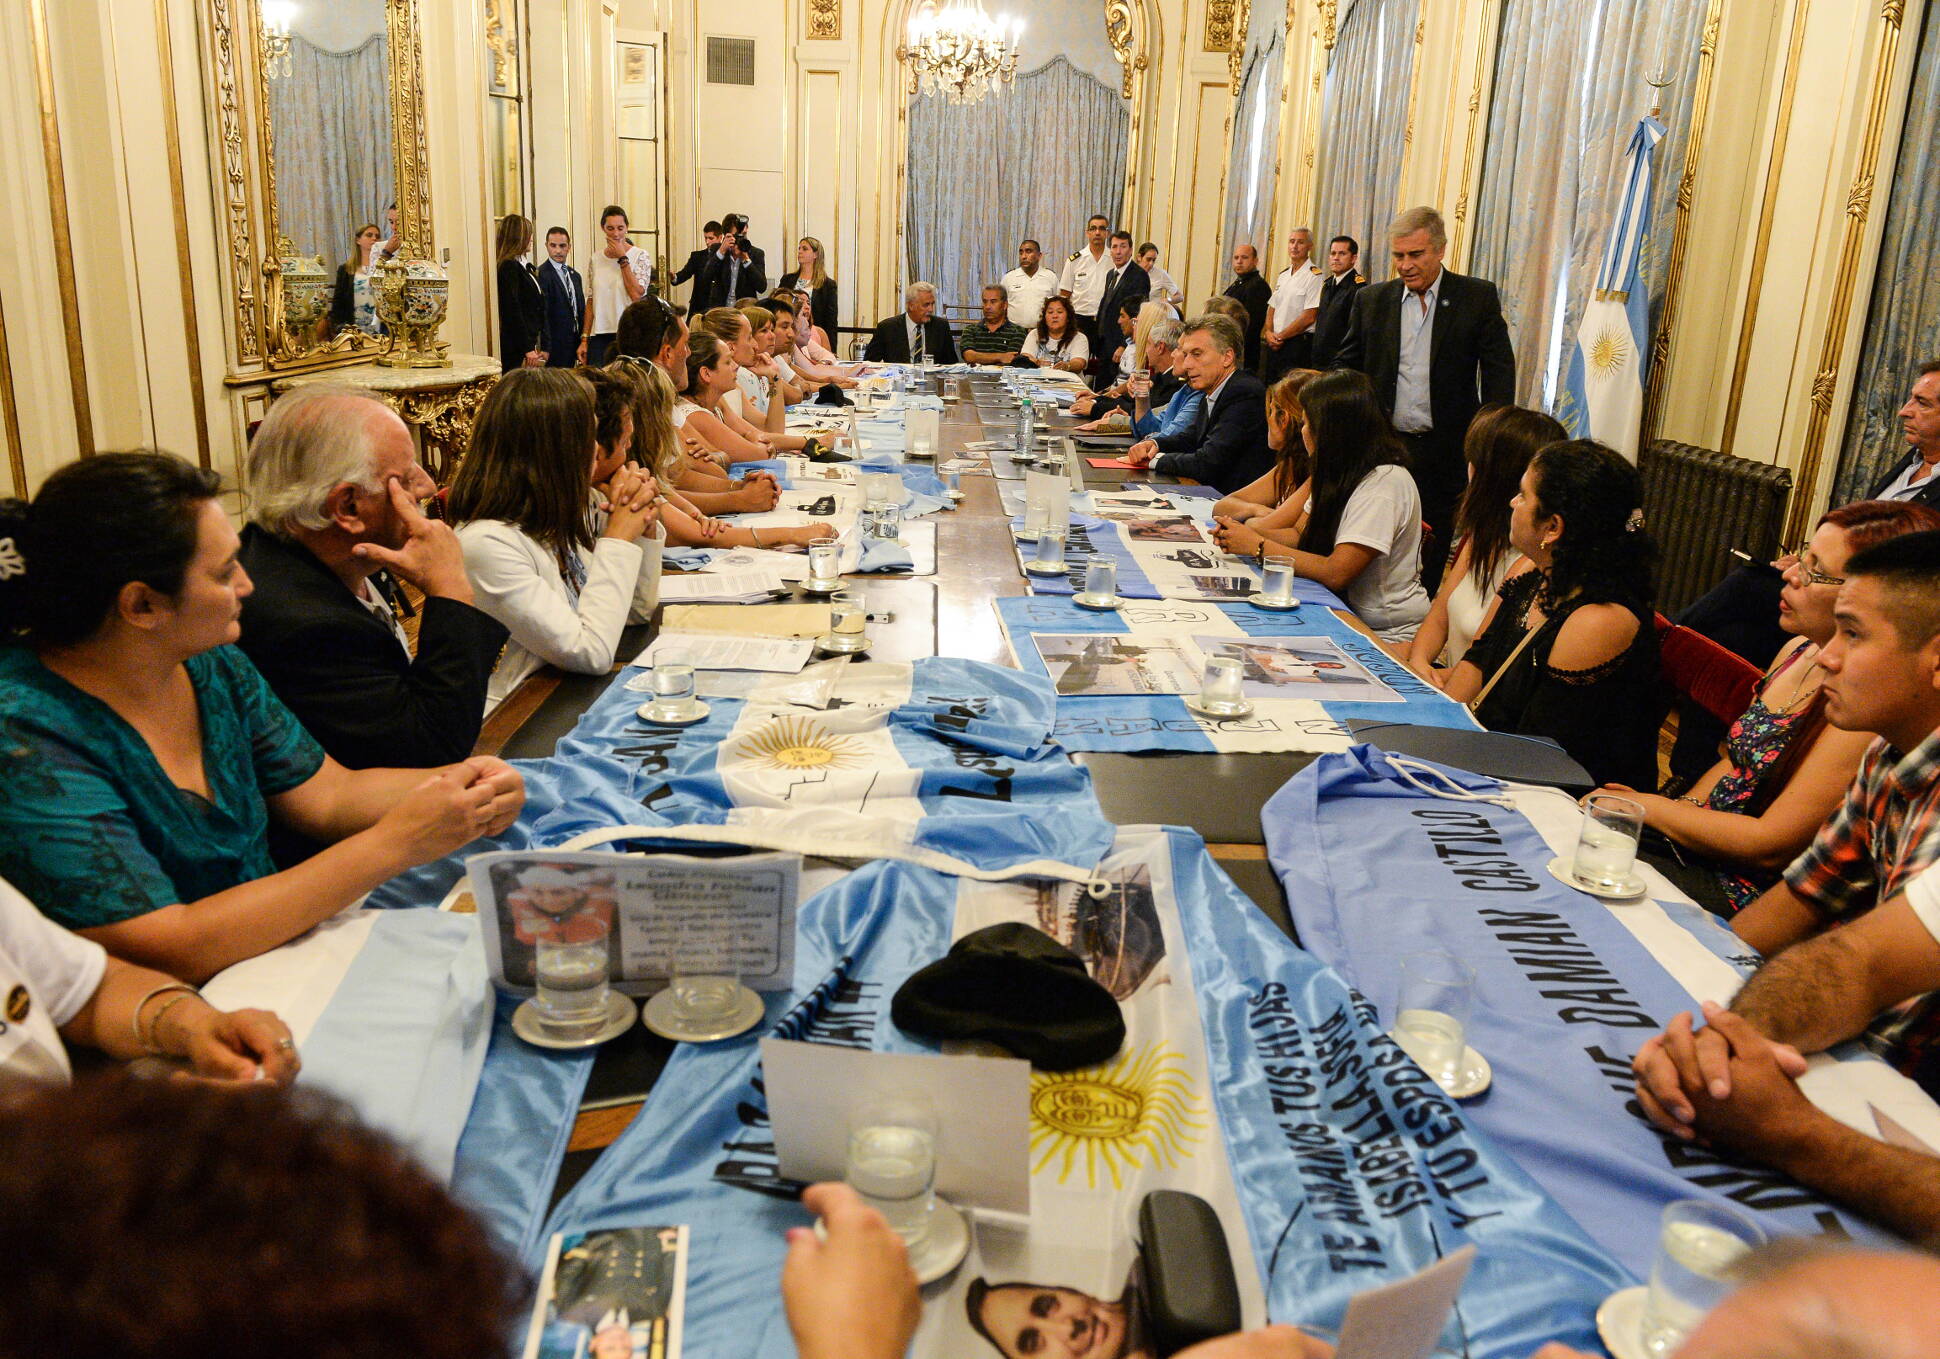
(950, 614)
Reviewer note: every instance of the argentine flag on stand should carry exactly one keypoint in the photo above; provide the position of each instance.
(1603, 393)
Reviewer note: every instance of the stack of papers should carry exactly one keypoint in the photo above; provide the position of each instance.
(723, 587)
(707, 651)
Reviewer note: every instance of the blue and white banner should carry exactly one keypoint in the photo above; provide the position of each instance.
(391, 1012)
(1603, 392)
(1150, 721)
(1251, 1076)
(1566, 988)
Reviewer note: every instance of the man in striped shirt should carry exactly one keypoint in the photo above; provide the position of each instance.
(1876, 976)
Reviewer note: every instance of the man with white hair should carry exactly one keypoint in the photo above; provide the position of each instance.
(916, 334)
(333, 486)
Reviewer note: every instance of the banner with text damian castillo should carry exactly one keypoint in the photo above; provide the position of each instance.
(1251, 1076)
(1132, 722)
(1565, 990)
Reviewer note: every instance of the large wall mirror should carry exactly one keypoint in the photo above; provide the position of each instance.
(323, 173)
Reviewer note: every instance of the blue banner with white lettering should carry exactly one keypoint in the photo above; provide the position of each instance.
(1376, 868)
(1296, 688)
(1251, 1075)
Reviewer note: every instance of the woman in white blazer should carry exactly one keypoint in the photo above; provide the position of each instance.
(562, 587)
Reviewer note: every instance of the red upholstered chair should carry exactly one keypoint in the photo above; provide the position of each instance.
(1717, 679)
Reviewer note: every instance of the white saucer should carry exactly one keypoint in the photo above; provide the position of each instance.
(527, 1024)
(1085, 601)
(654, 1014)
(1192, 704)
(1037, 568)
(842, 644)
(1258, 601)
(1620, 1321)
(821, 587)
(1474, 1077)
(1559, 868)
(699, 711)
(942, 1251)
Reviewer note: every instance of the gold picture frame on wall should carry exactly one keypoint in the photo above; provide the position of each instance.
(279, 290)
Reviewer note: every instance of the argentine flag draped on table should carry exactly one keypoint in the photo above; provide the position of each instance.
(1603, 395)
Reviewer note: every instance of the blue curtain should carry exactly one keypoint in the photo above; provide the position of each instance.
(1034, 159)
(331, 121)
(1250, 177)
(1363, 118)
(1569, 89)
(1903, 325)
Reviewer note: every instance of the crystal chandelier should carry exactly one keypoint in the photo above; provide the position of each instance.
(959, 51)
(276, 16)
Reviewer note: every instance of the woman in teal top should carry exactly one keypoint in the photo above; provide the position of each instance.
(142, 755)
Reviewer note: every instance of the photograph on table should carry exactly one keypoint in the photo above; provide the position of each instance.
(1117, 932)
(1117, 663)
(1224, 587)
(1182, 528)
(560, 903)
(1299, 667)
(612, 1294)
(1017, 1318)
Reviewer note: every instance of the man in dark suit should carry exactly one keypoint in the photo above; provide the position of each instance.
(737, 269)
(1437, 349)
(697, 260)
(1253, 293)
(565, 298)
(1226, 446)
(1344, 279)
(321, 624)
(1911, 478)
(1126, 279)
(917, 332)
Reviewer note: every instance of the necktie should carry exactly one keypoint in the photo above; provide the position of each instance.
(922, 343)
(1111, 281)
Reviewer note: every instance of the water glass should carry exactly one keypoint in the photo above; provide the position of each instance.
(1219, 685)
(1101, 576)
(673, 692)
(824, 561)
(1276, 582)
(848, 615)
(953, 485)
(888, 523)
(1696, 1251)
(1606, 850)
(1431, 1018)
(922, 443)
(573, 978)
(1050, 549)
(892, 1161)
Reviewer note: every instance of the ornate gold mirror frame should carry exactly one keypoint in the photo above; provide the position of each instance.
(275, 315)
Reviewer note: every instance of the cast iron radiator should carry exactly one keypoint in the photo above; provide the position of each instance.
(1700, 504)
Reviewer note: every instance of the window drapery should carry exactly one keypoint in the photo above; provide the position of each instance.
(332, 126)
(1903, 321)
(1251, 177)
(1569, 88)
(1363, 123)
(1034, 159)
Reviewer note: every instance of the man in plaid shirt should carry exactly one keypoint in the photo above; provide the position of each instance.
(1733, 1084)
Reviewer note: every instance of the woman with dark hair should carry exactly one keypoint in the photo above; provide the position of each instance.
(353, 305)
(1785, 768)
(1285, 435)
(1569, 649)
(794, 342)
(1056, 341)
(1362, 535)
(145, 757)
(521, 304)
(1500, 442)
(520, 501)
(703, 412)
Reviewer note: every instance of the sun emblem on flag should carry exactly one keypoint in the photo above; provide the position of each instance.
(1138, 1110)
(789, 743)
(1609, 352)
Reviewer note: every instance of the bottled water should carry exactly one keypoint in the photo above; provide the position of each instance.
(893, 1168)
(1689, 1281)
(1026, 428)
(1435, 1040)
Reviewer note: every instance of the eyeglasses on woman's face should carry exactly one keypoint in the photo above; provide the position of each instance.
(1805, 565)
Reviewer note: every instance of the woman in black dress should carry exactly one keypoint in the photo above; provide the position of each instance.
(810, 278)
(521, 306)
(1569, 648)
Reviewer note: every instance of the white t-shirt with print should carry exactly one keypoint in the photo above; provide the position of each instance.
(46, 976)
(1384, 513)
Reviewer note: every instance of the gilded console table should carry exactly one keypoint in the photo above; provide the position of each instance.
(437, 403)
